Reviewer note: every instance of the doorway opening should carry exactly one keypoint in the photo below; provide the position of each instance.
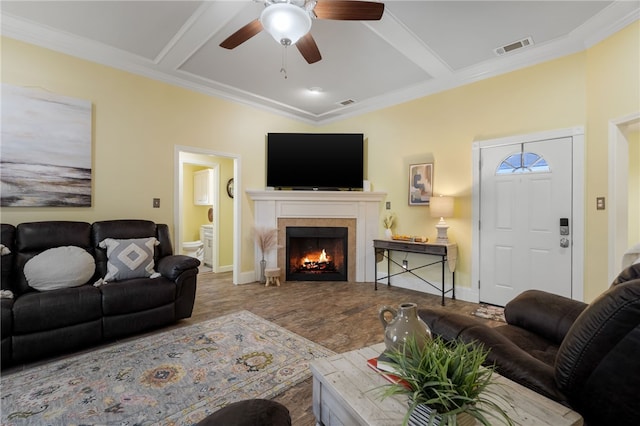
(225, 226)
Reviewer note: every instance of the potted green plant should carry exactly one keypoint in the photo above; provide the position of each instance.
(388, 222)
(446, 383)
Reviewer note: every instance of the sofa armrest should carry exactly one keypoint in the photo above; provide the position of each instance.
(508, 358)
(173, 266)
(515, 363)
(546, 314)
(628, 274)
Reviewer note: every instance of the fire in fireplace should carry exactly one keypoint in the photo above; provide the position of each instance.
(316, 253)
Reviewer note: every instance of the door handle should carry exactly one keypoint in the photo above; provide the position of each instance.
(564, 232)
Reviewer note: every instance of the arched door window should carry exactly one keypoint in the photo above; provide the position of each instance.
(523, 162)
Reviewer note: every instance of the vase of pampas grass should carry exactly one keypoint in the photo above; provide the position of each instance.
(267, 240)
(387, 222)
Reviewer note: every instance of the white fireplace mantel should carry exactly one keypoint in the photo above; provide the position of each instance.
(364, 207)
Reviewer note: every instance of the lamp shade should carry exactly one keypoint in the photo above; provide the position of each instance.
(441, 206)
(285, 22)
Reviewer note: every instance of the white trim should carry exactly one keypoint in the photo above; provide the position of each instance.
(618, 192)
(577, 262)
(323, 196)
(364, 207)
(237, 209)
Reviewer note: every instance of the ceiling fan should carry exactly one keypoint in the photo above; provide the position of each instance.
(289, 22)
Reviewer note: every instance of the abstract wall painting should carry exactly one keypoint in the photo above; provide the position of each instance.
(420, 184)
(45, 154)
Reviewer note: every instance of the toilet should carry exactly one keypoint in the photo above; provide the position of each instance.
(194, 249)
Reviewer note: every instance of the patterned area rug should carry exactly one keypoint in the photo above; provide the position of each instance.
(491, 312)
(176, 377)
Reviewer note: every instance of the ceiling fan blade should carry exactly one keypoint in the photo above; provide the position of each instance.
(309, 49)
(344, 10)
(242, 35)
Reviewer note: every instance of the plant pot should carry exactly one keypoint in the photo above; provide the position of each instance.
(263, 266)
(388, 233)
(423, 415)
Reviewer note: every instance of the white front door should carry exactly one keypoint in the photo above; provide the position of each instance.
(525, 197)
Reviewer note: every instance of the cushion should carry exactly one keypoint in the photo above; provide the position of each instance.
(4, 250)
(131, 258)
(251, 412)
(59, 267)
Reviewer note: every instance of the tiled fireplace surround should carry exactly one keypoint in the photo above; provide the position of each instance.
(357, 211)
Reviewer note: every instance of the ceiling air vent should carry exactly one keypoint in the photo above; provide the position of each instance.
(347, 102)
(514, 46)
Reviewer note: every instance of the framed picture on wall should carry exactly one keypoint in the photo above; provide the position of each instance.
(45, 155)
(420, 184)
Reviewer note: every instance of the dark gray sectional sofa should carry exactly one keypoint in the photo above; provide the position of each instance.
(583, 356)
(41, 323)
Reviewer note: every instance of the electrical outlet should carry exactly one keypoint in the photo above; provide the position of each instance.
(599, 203)
(405, 264)
(388, 205)
(156, 203)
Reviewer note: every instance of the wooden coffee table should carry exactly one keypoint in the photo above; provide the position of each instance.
(348, 392)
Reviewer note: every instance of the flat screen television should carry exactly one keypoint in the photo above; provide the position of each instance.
(315, 161)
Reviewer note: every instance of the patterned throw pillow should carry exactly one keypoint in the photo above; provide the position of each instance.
(128, 259)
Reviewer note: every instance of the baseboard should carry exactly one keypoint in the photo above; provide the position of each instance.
(411, 283)
(247, 277)
(462, 293)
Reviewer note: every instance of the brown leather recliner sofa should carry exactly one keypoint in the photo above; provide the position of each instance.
(584, 356)
(42, 323)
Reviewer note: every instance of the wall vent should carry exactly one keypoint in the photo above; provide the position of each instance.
(347, 102)
(525, 42)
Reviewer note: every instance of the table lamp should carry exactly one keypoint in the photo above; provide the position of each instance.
(441, 207)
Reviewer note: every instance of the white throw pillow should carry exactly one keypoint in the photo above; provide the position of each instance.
(127, 259)
(60, 267)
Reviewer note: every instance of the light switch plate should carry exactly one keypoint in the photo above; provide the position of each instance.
(156, 203)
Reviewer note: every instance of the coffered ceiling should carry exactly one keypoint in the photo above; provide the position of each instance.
(417, 48)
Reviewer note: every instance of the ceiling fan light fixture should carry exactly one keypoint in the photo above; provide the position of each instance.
(286, 22)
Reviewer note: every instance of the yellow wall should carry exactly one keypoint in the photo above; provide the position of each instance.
(138, 121)
(543, 97)
(225, 215)
(613, 91)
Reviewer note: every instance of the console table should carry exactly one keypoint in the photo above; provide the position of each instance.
(348, 392)
(447, 254)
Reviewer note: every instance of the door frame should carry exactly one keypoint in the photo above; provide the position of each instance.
(578, 219)
(618, 191)
(177, 200)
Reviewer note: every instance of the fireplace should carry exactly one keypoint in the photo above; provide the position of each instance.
(316, 253)
(358, 211)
